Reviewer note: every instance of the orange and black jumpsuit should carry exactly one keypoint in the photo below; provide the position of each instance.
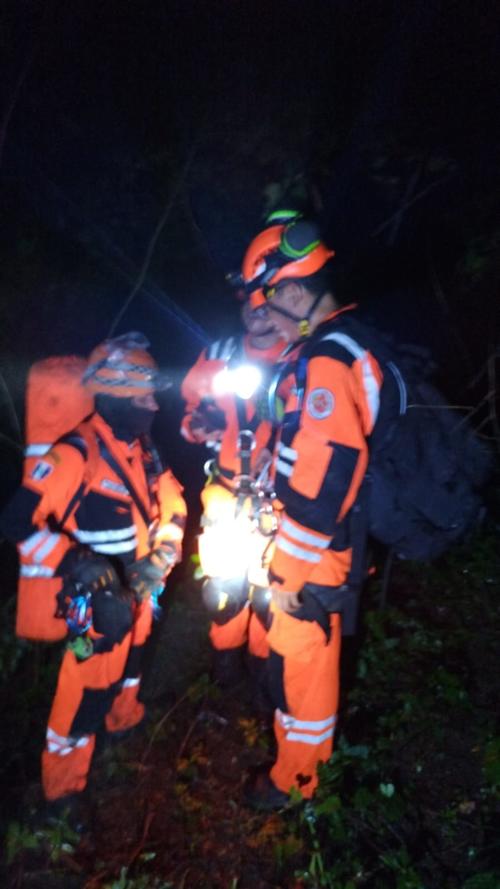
(238, 414)
(102, 514)
(320, 462)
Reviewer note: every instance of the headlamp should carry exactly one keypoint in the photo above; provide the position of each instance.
(243, 381)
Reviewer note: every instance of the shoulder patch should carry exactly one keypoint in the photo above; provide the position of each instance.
(42, 470)
(320, 403)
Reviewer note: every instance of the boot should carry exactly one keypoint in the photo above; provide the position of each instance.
(261, 793)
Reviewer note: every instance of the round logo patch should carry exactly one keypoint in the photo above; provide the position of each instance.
(320, 403)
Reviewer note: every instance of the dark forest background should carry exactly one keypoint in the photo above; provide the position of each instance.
(142, 144)
(156, 136)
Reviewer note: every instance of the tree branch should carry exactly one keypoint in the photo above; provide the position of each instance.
(154, 240)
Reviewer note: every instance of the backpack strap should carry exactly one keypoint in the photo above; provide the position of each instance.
(113, 463)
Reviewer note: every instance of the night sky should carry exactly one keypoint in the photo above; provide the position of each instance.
(216, 112)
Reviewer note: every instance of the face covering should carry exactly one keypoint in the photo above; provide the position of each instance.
(127, 421)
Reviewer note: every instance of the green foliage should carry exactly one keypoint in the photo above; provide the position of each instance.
(144, 881)
(410, 794)
(54, 841)
(19, 838)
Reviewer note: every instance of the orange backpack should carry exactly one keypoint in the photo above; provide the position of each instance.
(56, 403)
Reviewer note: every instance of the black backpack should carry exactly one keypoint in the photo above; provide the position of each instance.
(422, 490)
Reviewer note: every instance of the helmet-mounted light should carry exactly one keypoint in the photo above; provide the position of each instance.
(242, 381)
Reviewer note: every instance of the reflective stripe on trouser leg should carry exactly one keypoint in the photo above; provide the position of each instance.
(232, 634)
(84, 688)
(126, 710)
(304, 734)
(65, 770)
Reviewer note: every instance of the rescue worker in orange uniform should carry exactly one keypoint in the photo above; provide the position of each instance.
(331, 400)
(99, 512)
(215, 415)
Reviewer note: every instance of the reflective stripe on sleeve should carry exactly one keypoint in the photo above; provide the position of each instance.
(293, 550)
(36, 571)
(46, 548)
(303, 536)
(34, 540)
(85, 536)
(370, 384)
(284, 468)
(37, 450)
(121, 546)
(288, 453)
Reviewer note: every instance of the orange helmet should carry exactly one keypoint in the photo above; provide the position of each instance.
(279, 253)
(123, 367)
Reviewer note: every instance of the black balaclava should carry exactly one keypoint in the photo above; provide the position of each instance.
(127, 420)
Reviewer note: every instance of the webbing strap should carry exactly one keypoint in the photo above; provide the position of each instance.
(125, 478)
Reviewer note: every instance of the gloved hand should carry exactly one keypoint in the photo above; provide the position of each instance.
(147, 574)
(88, 572)
(89, 580)
(207, 422)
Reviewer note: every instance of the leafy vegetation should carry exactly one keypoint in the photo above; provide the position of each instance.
(409, 799)
(411, 795)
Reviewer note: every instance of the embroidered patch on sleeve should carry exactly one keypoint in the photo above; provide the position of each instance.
(320, 403)
(42, 470)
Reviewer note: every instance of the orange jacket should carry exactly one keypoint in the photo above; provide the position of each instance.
(72, 495)
(322, 454)
(198, 385)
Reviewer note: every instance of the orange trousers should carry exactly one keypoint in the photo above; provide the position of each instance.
(243, 629)
(99, 691)
(304, 676)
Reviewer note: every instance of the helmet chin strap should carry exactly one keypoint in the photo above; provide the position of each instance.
(303, 324)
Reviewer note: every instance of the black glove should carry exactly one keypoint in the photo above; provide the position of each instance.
(208, 417)
(87, 571)
(147, 574)
(93, 594)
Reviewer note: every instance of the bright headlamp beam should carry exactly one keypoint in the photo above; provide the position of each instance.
(243, 381)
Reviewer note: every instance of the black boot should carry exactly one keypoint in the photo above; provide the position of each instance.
(261, 793)
(69, 810)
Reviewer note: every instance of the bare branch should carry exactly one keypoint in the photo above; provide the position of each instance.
(154, 239)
